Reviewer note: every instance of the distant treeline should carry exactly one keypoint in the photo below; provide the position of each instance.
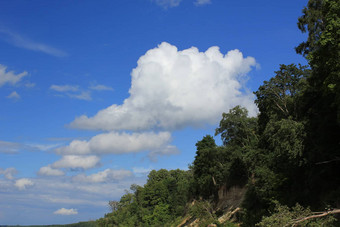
(79, 224)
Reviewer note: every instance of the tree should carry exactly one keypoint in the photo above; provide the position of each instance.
(279, 98)
(321, 100)
(236, 128)
(311, 21)
(203, 167)
(114, 205)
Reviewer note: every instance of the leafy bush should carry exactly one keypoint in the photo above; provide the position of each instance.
(284, 216)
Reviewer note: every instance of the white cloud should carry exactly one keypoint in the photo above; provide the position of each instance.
(42, 147)
(100, 87)
(118, 143)
(141, 171)
(171, 89)
(13, 95)
(64, 88)
(169, 150)
(29, 85)
(48, 171)
(167, 3)
(72, 91)
(76, 161)
(104, 176)
(202, 2)
(19, 41)
(8, 173)
(9, 147)
(64, 211)
(84, 95)
(10, 77)
(23, 183)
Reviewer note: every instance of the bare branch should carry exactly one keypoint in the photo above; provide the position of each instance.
(296, 221)
(328, 161)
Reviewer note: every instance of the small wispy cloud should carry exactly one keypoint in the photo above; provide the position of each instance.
(84, 95)
(12, 148)
(64, 211)
(60, 139)
(22, 42)
(8, 173)
(23, 183)
(14, 95)
(167, 3)
(9, 147)
(42, 147)
(29, 85)
(202, 2)
(100, 87)
(64, 88)
(72, 91)
(167, 151)
(49, 171)
(9, 77)
(141, 171)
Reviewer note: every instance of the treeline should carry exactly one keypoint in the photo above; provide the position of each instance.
(287, 158)
(79, 224)
(162, 199)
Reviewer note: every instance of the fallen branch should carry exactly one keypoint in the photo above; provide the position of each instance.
(228, 215)
(325, 162)
(296, 221)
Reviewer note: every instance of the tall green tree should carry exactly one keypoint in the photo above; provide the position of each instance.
(239, 134)
(205, 167)
(276, 162)
(279, 98)
(236, 128)
(321, 101)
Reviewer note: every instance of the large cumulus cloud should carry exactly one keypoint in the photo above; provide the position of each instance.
(171, 89)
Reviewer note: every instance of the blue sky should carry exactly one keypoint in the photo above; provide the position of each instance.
(95, 94)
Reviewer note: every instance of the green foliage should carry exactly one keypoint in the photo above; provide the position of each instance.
(201, 209)
(279, 98)
(203, 212)
(162, 199)
(284, 216)
(207, 167)
(236, 128)
(228, 224)
(276, 163)
(160, 215)
(217, 166)
(312, 22)
(284, 139)
(321, 100)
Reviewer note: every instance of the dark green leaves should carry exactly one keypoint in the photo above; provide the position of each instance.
(236, 128)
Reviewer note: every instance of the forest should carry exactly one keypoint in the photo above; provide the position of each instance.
(281, 168)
